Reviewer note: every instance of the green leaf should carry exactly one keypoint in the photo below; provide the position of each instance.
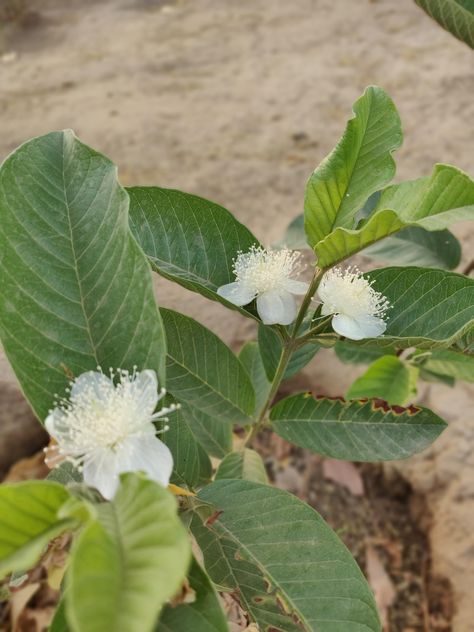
(357, 430)
(29, 520)
(59, 622)
(65, 473)
(246, 464)
(430, 308)
(417, 246)
(270, 350)
(387, 378)
(456, 16)
(75, 288)
(252, 360)
(214, 435)
(202, 615)
(433, 203)
(188, 239)
(289, 569)
(295, 236)
(202, 371)
(191, 464)
(350, 353)
(448, 363)
(360, 164)
(126, 565)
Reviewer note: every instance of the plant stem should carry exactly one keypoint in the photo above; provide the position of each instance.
(288, 346)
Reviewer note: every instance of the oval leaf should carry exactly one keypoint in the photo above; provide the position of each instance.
(75, 288)
(214, 435)
(188, 239)
(290, 570)
(246, 464)
(387, 378)
(451, 364)
(355, 431)
(203, 371)
(360, 164)
(456, 16)
(126, 565)
(252, 360)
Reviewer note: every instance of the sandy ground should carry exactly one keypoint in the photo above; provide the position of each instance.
(237, 101)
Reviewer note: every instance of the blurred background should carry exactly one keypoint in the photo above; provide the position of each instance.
(238, 101)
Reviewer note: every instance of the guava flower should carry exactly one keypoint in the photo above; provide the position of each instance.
(266, 274)
(105, 429)
(359, 311)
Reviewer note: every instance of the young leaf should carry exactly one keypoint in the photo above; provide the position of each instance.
(355, 431)
(270, 349)
(252, 360)
(388, 378)
(204, 614)
(360, 164)
(289, 569)
(456, 16)
(433, 203)
(202, 370)
(430, 308)
(448, 363)
(214, 435)
(188, 239)
(246, 464)
(191, 464)
(126, 565)
(418, 246)
(29, 520)
(75, 288)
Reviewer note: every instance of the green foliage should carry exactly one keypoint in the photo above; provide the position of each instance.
(271, 346)
(246, 464)
(283, 559)
(188, 240)
(76, 290)
(433, 203)
(387, 378)
(203, 372)
(29, 520)
(352, 353)
(126, 564)
(456, 16)
(355, 431)
(252, 360)
(360, 164)
(204, 614)
(213, 434)
(448, 363)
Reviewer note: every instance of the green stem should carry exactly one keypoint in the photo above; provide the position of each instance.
(313, 286)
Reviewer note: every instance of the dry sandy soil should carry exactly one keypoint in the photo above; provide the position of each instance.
(238, 101)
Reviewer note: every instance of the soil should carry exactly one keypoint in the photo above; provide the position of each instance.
(237, 102)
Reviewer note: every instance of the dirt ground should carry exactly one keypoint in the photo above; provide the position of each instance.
(238, 101)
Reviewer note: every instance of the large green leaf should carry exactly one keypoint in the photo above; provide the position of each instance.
(246, 464)
(75, 288)
(270, 350)
(360, 430)
(252, 360)
(451, 364)
(126, 565)
(203, 371)
(433, 203)
(360, 164)
(430, 308)
(204, 614)
(214, 435)
(289, 569)
(188, 239)
(191, 464)
(29, 519)
(387, 378)
(418, 246)
(456, 16)
(351, 353)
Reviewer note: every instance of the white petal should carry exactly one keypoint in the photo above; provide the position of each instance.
(326, 309)
(145, 388)
(53, 423)
(147, 454)
(94, 381)
(360, 328)
(276, 307)
(296, 287)
(101, 471)
(236, 293)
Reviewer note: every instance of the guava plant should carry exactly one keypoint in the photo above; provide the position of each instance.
(158, 528)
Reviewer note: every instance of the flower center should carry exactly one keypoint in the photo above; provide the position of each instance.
(260, 270)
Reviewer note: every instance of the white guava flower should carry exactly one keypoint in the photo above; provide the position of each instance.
(105, 429)
(359, 311)
(266, 274)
